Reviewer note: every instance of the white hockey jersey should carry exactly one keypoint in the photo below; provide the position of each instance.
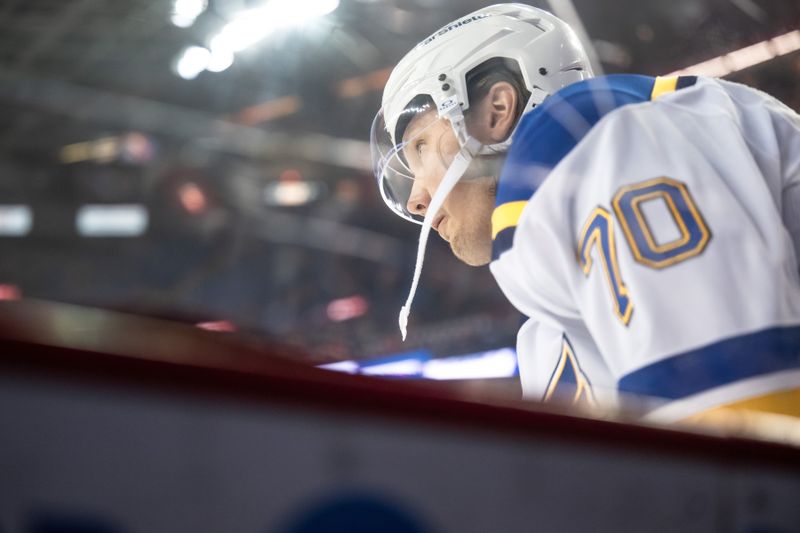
(649, 229)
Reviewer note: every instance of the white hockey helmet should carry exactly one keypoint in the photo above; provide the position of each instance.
(544, 48)
(434, 74)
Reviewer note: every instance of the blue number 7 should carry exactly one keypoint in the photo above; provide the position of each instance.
(599, 233)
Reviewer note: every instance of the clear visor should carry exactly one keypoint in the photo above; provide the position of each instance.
(422, 143)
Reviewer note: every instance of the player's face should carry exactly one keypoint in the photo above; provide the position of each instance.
(464, 219)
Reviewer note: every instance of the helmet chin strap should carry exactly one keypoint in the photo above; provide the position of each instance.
(457, 168)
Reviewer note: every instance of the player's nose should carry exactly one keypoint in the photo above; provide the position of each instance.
(419, 199)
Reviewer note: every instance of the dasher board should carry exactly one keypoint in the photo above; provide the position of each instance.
(104, 441)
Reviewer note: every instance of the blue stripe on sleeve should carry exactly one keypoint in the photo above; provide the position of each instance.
(721, 363)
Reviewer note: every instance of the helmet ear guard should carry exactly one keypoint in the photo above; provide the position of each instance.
(537, 97)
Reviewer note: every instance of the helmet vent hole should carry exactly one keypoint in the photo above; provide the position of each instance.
(543, 71)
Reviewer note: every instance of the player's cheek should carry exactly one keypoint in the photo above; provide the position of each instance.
(434, 167)
(447, 154)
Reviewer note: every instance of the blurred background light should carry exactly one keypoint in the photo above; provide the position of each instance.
(185, 12)
(219, 60)
(250, 27)
(290, 193)
(271, 109)
(132, 147)
(492, 364)
(360, 85)
(112, 220)
(347, 308)
(101, 150)
(136, 147)
(15, 220)
(244, 30)
(291, 190)
(9, 292)
(411, 367)
(222, 326)
(192, 62)
(348, 367)
(192, 198)
(745, 57)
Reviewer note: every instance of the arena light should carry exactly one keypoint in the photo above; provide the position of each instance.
(251, 26)
(121, 220)
(192, 62)
(9, 293)
(192, 198)
(15, 220)
(101, 150)
(290, 193)
(219, 60)
(403, 368)
(132, 147)
(347, 308)
(745, 57)
(485, 365)
(372, 81)
(185, 12)
(492, 364)
(221, 326)
(269, 110)
(291, 190)
(348, 367)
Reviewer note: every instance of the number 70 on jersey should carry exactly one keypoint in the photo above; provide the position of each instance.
(597, 234)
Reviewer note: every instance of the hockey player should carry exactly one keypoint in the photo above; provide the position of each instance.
(647, 227)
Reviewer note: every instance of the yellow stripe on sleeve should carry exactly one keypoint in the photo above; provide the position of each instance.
(506, 216)
(785, 403)
(663, 86)
(774, 416)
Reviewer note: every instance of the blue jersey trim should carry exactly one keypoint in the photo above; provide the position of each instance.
(502, 242)
(685, 81)
(549, 132)
(728, 361)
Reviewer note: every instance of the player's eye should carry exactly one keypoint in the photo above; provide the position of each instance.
(418, 146)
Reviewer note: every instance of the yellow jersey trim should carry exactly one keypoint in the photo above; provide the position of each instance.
(663, 86)
(583, 390)
(786, 403)
(507, 216)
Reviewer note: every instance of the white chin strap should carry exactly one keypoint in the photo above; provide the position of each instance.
(457, 169)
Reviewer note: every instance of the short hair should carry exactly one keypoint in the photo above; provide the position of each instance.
(481, 79)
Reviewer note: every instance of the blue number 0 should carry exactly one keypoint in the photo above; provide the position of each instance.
(694, 234)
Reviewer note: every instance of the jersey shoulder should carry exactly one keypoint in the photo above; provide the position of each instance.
(550, 132)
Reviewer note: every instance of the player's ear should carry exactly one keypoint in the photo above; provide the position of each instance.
(501, 109)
